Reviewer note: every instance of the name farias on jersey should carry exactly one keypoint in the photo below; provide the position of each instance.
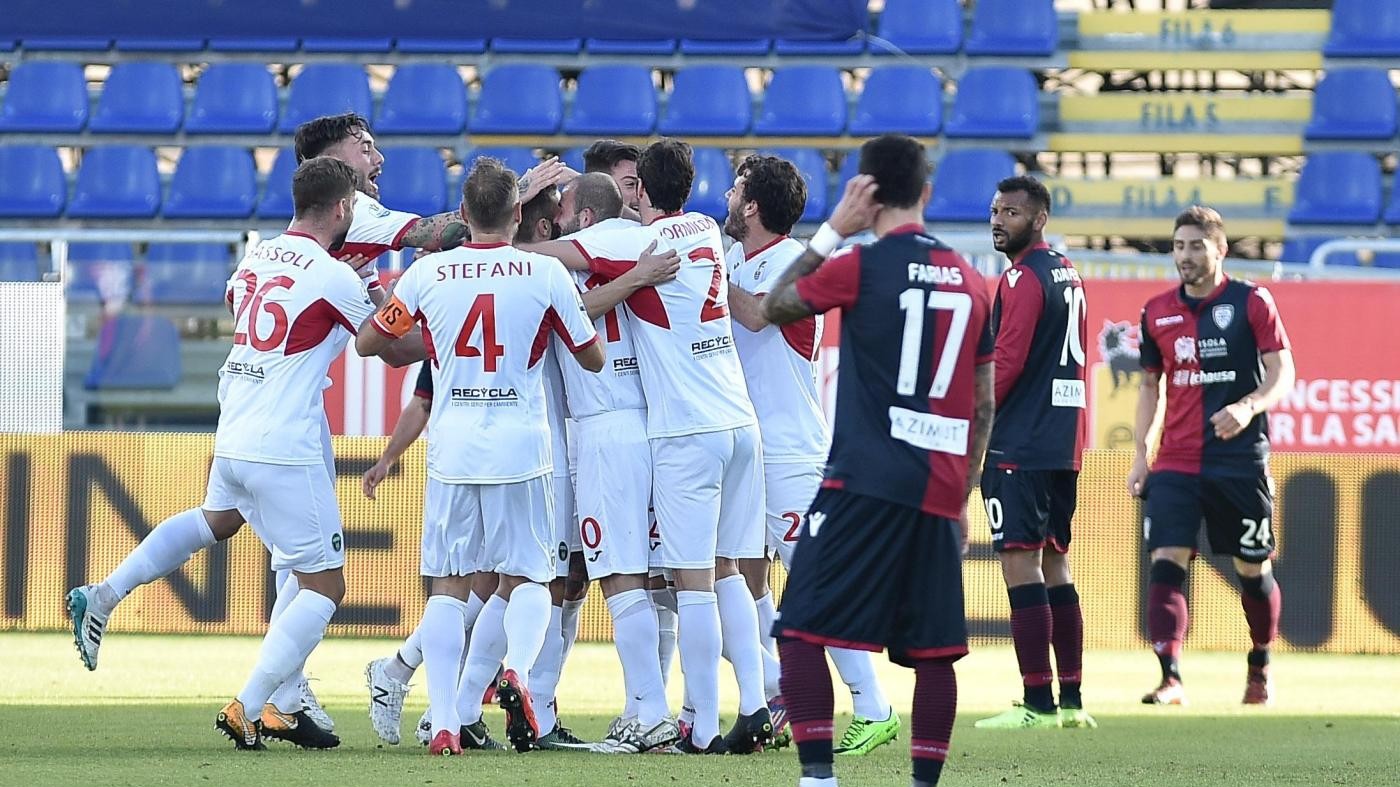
(923, 273)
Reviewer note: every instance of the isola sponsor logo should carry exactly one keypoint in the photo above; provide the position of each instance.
(484, 396)
(704, 347)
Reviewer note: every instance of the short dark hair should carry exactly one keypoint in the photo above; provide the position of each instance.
(666, 171)
(1208, 219)
(490, 193)
(1029, 186)
(777, 187)
(598, 191)
(316, 135)
(542, 206)
(319, 183)
(900, 168)
(605, 154)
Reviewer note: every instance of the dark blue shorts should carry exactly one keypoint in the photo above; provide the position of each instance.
(873, 575)
(1030, 509)
(1237, 511)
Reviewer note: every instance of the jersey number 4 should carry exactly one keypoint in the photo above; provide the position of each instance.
(912, 303)
(254, 303)
(483, 313)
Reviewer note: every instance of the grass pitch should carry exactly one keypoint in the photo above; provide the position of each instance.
(146, 717)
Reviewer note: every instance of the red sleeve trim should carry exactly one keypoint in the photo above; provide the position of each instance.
(801, 336)
(371, 250)
(398, 236)
(835, 283)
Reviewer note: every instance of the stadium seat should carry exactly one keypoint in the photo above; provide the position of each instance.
(326, 89)
(1013, 27)
(135, 351)
(215, 182)
(519, 98)
(1364, 28)
(337, 44)
(804, 101)
(276, 202)
(751, 47)
(185, 273)
(519, 160)
(116, 181)
(262, 44)
(784, 47)
(850, 167)
(19, 262)
(31, 181)
(441, 46)
(234, 98)
(963, 182)
(413, 180)
(1341, 187)
(45, 96)
(1300, 250)
(618, 46)
(97, 272)
(160, 44)
(616, 99)
(67, 44)
(423, 98)
(713, 177)
(1392, 210)
(574, 158)
(536, 46)
(902, 99)
(812, 165)
(1340, 93)
(140, 97)
(995, 101)
(920, 27)
(709, 100)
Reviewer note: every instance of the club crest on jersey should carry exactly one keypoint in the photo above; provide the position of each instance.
(1185, 348)
(1012, 276)
(758, 272)
(1222, 314)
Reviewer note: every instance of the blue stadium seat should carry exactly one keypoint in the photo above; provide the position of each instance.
(803, 100)
(67, 44)
(259, 44)
(97, 272)
(519, 98)
(45, 96)
(1338, 97)
(134, 352)
(1013, 27)
(215, 182)
(186, 273)
(812, 166)
(713, 177)
(8, 44)
(739, 47)
(336, 44)
(537, 46)
(963, 183)
(1338, 187)
(31, 181)
(160, 44)
(19, 262)
(413, 180)
(141, 97)
(1364, 28)
(618, 46)
(920, 27)
(711, 100)
(442, 46)
(574, 158)
(517, 159)
(423, 98)
(234, 98)
(1299, 250)
(850, 167)
(903, 99)
(1392, 210)
(116, 181)
(276, 202)
(326, 89)
(616, 99)
(845, 48)
(995, 101)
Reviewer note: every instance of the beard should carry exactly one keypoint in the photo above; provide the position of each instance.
(735, 228)
(1015, 244)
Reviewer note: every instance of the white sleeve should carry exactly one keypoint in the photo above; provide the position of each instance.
(568, 315)
(734, 257)
(769, 272)
(347, 294)
(375, 229)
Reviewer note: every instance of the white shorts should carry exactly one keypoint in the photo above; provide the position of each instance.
(566, 535)
(506, 528)
(292, 508)
(788, 491)
(614, 493)
(708, 492)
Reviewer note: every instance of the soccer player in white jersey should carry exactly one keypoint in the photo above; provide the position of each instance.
(707, 461)
(294, 310)
(489, 502)
(780, 368)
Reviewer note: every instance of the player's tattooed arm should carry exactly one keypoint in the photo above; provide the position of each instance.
(983, 414)
(782, 304)
(437, 233)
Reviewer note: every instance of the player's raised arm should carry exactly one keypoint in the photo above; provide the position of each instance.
(855, 212)
(439, 232)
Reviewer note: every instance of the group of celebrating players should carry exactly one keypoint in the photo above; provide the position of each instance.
(595, 414)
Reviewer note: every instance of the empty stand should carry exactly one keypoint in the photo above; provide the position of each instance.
(536, 46)
(1341, 187)
(423, 98)
(414, 180)
(803, 100)
(964, 182)
(519, 98)
(144, 97)
(234, 98)
(215, 182)
(185, 273)
(1185, 122)
(848, 47)
(616, 99)
(442, 46)
(995, 101)
(31, 182)
(812, 166)
(518, 160)
(276, 202)
(1353, 103)
(754, 47)
(609, 46)
(899, 99)
(135, 351)
(45, 96)
(326, 89)
(98, 272)
(19, 262)
(713, 177)
(709, 100)
(1364, 28)
(1013, 27)
(920, 27)
(1146, 207)
(355, 44)
(116, 181)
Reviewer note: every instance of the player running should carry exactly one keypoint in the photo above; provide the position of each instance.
(1030, 482)
(780, 369)
(1219, 349)
(878, 563)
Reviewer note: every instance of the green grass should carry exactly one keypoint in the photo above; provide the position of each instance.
(146, 718)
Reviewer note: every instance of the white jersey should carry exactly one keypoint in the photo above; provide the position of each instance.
(295, 308)
(556, 405)
(685, 349)
(486, 311)
(374, 229)
(780, 361)
(619, 385)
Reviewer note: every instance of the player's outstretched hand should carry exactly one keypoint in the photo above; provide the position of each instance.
(548, 173)
(1137, 477)
(653, 268)
(857, 209)
(1231, 419)
(373, 477)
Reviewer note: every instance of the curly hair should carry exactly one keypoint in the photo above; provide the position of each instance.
(777, 187)
(313, 137)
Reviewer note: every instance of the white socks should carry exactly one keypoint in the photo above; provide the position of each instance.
(665, 603)
(772, 670)
(484, 654)
(544, 676)
(634, 633)
(739, 624)
(443, 634)
(857, 668)
(526, 621)
(163, 550)
(568, 626)
(411, 651)
(290, 639)
(287, 697)
(698, 613)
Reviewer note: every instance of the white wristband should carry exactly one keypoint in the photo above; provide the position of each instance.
(825, 241)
